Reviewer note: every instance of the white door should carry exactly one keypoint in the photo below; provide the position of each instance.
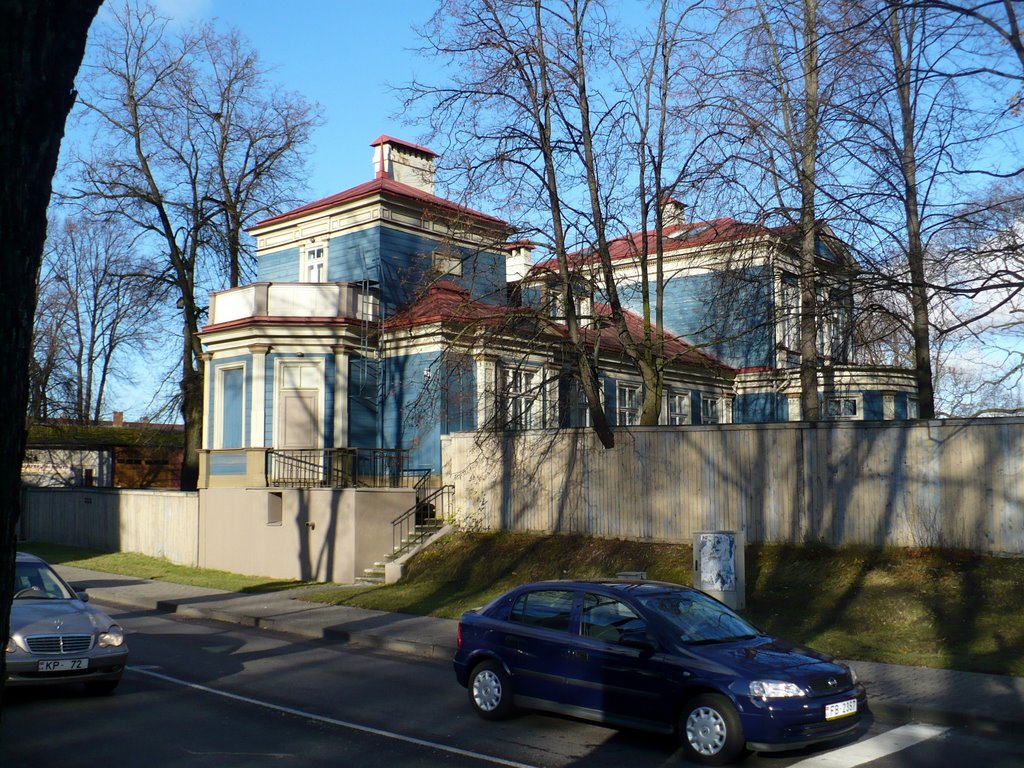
(299, 419)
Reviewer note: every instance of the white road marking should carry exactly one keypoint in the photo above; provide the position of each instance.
(871, 749)
(332, 721)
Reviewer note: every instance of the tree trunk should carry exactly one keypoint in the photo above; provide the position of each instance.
(920, 322)
(808, 228)
(192, 382)
(41, 47)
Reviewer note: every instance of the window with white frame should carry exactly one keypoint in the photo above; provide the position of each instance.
(913, 408)
(627, 404)
(578, 413)
(314, 264)
(710, 410)
(447, 263)
(556, 307)
(678, 408)
(521, 390)
(789, 313)
(839, 408)
(230, 411)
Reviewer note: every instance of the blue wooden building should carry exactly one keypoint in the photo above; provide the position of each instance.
(385, 316)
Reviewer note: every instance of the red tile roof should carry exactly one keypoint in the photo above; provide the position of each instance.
(676, 237)
(676, 348)
(376, 187)
(446, 301)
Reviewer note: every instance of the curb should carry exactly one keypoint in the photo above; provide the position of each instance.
(328, 634)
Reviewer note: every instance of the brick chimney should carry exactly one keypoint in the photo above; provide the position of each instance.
(118, 418)
(404, 162)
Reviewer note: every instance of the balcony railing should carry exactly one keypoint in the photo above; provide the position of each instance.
(337, 468)
(353, 300)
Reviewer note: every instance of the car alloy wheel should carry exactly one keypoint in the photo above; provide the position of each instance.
(490, 691)
(710, 730)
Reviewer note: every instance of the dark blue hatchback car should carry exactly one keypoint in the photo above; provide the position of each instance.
(654, 656)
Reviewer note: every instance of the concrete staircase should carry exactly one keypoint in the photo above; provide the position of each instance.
(413, 530)
(423, 534)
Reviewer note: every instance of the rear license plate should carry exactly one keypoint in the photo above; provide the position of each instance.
(840, 709)
(63, 665)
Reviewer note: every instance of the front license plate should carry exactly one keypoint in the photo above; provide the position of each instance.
(840, 709)
(63, 665)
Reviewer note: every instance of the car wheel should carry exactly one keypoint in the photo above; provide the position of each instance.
(101, 687)
(490, 691)
(710, 730)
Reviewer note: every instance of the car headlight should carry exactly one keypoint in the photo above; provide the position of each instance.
(113, 637)
(853, 675)
(11, 646)
(775, 689)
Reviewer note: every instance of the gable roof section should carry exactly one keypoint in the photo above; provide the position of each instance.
(445, 301)
(448, 302)
(676, 348)
(676, 237)
(379, 186)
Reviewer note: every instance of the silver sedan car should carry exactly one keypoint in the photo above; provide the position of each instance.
(56, 638)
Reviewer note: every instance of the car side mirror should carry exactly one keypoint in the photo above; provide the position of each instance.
(639, 640)
(82, 595)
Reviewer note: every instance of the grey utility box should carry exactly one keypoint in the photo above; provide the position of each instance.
(718, 566)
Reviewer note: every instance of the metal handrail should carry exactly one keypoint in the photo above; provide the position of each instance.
(336, 468)
(422, 475)
(431, 508)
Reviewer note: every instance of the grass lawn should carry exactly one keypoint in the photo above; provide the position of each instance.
(929, 608)
(933, 608)
(145, 567)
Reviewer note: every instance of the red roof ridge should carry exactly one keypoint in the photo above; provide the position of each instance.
(368, 188)
(385, 139)
(719, 230)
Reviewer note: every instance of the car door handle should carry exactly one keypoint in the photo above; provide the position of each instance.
(575, 653)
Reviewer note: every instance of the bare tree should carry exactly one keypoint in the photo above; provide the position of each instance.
(36, 94)
(47, 390)
(903, 137)
(554, 111)
(993, 35)
(96, 306)
(191, 143)
(256, 136)
(916, 144)
(776, 103)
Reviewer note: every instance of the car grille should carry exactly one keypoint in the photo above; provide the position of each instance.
(831, 684)
(53, 644)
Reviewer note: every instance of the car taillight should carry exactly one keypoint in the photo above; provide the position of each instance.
(458, 636)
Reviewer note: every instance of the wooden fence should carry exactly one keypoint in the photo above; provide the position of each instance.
(156, 523)
(957, 483)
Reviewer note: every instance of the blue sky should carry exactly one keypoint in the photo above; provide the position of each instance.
(342, 54)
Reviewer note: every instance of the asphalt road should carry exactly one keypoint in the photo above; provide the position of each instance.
(206, 694)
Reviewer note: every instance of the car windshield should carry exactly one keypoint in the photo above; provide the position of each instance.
(696, 618)
(35, 581)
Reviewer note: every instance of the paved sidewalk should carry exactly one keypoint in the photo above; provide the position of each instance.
(937, 696)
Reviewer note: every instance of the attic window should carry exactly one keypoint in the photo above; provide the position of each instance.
(446, 263)
(691, 232)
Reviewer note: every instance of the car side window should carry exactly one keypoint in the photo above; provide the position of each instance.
(605, 618)
(550, 609)
(39, 579)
